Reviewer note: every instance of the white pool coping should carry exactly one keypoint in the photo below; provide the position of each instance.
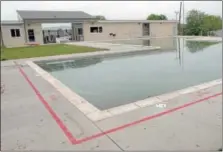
(205, 39)
(95, 114)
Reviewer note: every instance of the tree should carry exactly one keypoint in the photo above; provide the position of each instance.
(100, 17)
(199, 23)
(194, 21)
(156, 17)
(212, 22)
(163, 17)
(194, 46)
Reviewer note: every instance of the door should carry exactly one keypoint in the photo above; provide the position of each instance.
(79, 34)
(31, 35)
(146, 29)
(77, 29)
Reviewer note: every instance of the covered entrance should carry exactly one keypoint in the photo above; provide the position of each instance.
(56, 32)
(74, 32)
(63, 32)
(34, 19)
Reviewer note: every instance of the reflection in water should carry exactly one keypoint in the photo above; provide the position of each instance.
(67, 64)
(179, 51)
(195, 46)
(146, 43)
(191, 46)
(52, 66)
(164, 43)
(167, 45)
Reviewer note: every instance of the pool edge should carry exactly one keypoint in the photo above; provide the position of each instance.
(94, 114)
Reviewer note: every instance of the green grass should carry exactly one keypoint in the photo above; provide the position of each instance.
(43, 50)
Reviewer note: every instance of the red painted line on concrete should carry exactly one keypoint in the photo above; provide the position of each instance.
(78, 141)
(49, 109)
(145, 119)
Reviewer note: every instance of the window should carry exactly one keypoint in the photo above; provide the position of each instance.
(15, 33)
(31, 35)
(94, 29)
(100, 29)
(30, 32)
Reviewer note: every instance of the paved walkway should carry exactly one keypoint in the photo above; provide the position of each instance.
(35, 116)
(115, 47)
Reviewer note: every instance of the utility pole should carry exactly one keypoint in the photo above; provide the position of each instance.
(183, 18)
(176, 12)
(180, 18)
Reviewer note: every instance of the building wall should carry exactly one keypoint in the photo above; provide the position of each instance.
(163, 29)
(128, 30)
(122, 31)
(37, 31)
(10, 41)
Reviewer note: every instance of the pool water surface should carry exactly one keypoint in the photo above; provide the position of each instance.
(113, 80)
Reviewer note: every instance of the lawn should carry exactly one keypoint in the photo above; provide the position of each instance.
(43, 50)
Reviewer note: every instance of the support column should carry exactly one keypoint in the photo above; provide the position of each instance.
(25, 32)
(2, 42)
(73, 31)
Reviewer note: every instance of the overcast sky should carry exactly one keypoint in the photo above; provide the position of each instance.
(111, 9)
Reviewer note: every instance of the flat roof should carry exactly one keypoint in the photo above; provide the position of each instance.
(36, 14)
(140, 21)
(11, 22)
(14, 22)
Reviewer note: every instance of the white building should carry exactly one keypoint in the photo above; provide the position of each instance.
(27, 29)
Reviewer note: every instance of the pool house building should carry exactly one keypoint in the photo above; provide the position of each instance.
(84, 27)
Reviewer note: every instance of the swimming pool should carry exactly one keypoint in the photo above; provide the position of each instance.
(113, 80)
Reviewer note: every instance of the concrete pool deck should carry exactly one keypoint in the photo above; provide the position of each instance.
(35, 116)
